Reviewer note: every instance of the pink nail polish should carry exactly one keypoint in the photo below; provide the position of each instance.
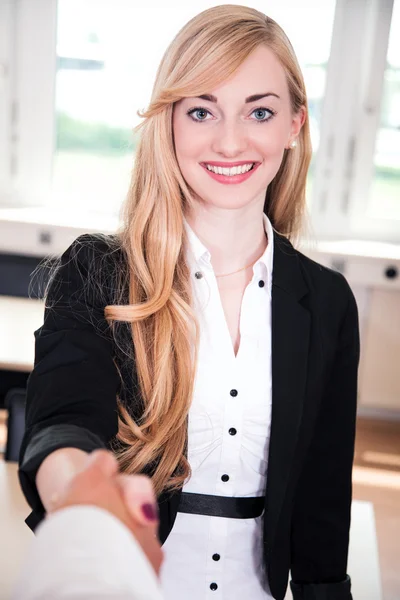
(149, 512)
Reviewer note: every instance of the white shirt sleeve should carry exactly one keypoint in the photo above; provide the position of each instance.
(85, 553)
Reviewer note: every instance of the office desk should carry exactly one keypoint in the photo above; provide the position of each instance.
(19, 318)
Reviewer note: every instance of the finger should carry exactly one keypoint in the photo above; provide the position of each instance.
(138, 494)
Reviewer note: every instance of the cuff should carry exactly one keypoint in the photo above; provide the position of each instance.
(43, 443)
(322, 591)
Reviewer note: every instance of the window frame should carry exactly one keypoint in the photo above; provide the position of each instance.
(30, 95)
(368, 128)
(6, 101)
(350, 123)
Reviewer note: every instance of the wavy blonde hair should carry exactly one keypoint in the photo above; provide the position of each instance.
(164, 330)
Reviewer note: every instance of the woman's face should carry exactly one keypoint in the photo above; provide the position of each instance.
(245, 122)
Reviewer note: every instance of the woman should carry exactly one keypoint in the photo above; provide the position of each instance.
(232, 356)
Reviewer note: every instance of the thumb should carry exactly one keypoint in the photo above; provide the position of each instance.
(138, 494)
(103, 461)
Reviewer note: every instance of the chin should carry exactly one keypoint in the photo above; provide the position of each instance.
(230, 202)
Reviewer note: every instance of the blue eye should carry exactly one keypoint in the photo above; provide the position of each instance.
(200, 111)
(263, 114)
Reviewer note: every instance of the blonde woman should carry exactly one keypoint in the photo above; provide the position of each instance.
(199, 344)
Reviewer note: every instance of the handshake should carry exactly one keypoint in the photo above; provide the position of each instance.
(129, 498)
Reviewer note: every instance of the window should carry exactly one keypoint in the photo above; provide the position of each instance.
(384, 197)
(73, 74)
(356, 172)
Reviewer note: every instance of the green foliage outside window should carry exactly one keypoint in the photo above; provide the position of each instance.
(98, 138)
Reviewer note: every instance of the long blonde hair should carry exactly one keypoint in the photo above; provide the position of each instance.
(164, 331)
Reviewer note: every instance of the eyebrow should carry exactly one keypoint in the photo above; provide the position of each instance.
(253, 98)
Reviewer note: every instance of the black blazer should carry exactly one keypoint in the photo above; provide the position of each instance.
(315, 353)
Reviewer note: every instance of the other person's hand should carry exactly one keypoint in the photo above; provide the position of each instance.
(130, 498)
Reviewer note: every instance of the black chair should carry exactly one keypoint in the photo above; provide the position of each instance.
(15, 404)
(16, 276)
(10, 380)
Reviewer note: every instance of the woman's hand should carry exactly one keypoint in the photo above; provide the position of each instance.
(130, 498)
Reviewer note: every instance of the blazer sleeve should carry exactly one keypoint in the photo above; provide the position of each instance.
(71, 392)
(321, 516)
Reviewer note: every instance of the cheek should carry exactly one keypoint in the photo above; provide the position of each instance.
(270, 139)
(270, 145)
(187, 141)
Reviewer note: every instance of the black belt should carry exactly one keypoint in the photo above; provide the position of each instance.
(221, 506)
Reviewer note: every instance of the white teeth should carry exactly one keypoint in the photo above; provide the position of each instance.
(230, 171)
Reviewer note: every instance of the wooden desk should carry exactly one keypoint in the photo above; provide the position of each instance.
(19, 318)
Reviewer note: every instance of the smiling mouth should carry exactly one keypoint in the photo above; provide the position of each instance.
(235, 174)
(230, 171)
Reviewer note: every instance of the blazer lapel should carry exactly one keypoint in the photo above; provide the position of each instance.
(290, 343)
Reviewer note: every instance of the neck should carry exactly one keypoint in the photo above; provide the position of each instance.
(233, 239)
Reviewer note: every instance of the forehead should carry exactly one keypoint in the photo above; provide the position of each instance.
(260, 72)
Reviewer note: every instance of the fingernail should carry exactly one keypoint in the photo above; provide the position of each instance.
(149, 511)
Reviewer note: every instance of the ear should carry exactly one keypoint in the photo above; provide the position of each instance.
(296, 125)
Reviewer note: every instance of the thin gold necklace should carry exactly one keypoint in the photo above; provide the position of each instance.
(233, 272)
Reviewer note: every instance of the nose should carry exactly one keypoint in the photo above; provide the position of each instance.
(230, 139)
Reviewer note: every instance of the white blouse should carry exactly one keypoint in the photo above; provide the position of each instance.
(228, 435)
